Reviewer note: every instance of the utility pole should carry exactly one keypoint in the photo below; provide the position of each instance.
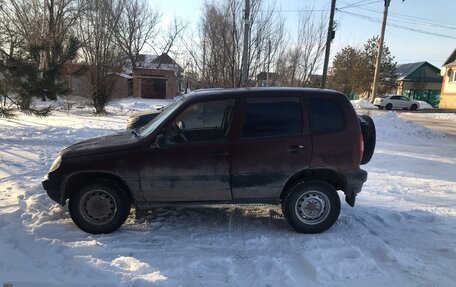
(245, 54)
(331, 34)
(269, 63)
(378, 64)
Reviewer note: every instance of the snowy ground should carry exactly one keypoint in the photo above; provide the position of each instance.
(401, 232)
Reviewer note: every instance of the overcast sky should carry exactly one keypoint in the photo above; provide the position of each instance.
(433, 16)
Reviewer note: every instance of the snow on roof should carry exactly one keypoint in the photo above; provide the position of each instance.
(125, 75)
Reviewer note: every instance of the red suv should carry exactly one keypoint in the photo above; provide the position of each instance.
(290, 146)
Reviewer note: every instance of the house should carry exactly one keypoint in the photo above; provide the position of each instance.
(156, 77)
(77, 77)
(267, 79)
(448, 71)
(419, 81)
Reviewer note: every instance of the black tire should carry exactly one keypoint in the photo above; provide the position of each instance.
(388, 106)
(369, 138)
(99, 207)
(380, 107)
(317, 194)
(414, 107)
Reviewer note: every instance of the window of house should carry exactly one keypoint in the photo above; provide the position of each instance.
(272, 116)
(452, 76)
(326, 116)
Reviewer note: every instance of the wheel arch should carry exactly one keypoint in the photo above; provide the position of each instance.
(327, 175)
(76, 180)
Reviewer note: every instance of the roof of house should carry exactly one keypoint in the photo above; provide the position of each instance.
(74, 68)
(407, 72)
(164, 62)
(451, 61)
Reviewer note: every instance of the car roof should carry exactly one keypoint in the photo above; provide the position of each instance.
(256, 91)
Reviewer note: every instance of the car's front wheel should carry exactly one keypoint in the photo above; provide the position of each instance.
(311, 206)
(99, 207)
(414, 107)
(389, 106)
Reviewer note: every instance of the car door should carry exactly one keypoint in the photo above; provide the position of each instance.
(192, 162)
(396, 102)
(406, 103)
(274, 143)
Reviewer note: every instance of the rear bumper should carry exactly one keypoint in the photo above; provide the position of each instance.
(353, 183)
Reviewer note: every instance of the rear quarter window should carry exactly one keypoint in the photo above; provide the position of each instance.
(326, 115)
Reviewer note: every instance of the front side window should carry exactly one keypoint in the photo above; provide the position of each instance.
(404, 99)
(200, 122)
(326, 115)
(272, 116)
(160, 118)
(395, 98)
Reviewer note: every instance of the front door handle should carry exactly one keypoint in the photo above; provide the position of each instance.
(219, 154)
(296, 148)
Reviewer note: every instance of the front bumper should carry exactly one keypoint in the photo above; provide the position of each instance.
(52, 188)
(353, 183)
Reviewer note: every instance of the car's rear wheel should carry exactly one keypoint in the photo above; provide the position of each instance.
(311, 206)
(388, 106)
(414, 107)
(99, 207)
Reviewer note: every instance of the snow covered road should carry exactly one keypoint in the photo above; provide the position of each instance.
(402, 231)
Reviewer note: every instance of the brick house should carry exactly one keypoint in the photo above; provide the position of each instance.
(448, 71)
(155, 77)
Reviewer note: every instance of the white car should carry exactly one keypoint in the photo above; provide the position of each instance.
(396, 102)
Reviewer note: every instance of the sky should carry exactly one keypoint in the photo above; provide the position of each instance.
(432, 16)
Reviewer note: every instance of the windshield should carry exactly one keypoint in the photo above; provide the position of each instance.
(153, 124)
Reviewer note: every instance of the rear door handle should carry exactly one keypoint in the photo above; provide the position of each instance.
(296, 148)
(219, 154)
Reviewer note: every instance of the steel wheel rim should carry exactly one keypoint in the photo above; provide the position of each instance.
(98, 207)
(312, 207)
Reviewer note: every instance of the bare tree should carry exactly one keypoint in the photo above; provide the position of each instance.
(217, 54)
(299, 62)
(96, 29)
(137, 26)
(170, 38)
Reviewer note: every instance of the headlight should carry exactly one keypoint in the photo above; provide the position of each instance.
(55, 165)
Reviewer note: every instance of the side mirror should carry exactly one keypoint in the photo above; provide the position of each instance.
(160, 142)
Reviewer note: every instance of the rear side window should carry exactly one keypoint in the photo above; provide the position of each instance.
(272, 116)
(326, 116)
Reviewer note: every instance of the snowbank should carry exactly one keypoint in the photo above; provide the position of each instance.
(362, 104)
(424, 105)
(128, 105)
(391, 127)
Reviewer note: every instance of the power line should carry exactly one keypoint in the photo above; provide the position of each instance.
(292, 11)
(404, 19)
(360, 3)
(376, 20)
